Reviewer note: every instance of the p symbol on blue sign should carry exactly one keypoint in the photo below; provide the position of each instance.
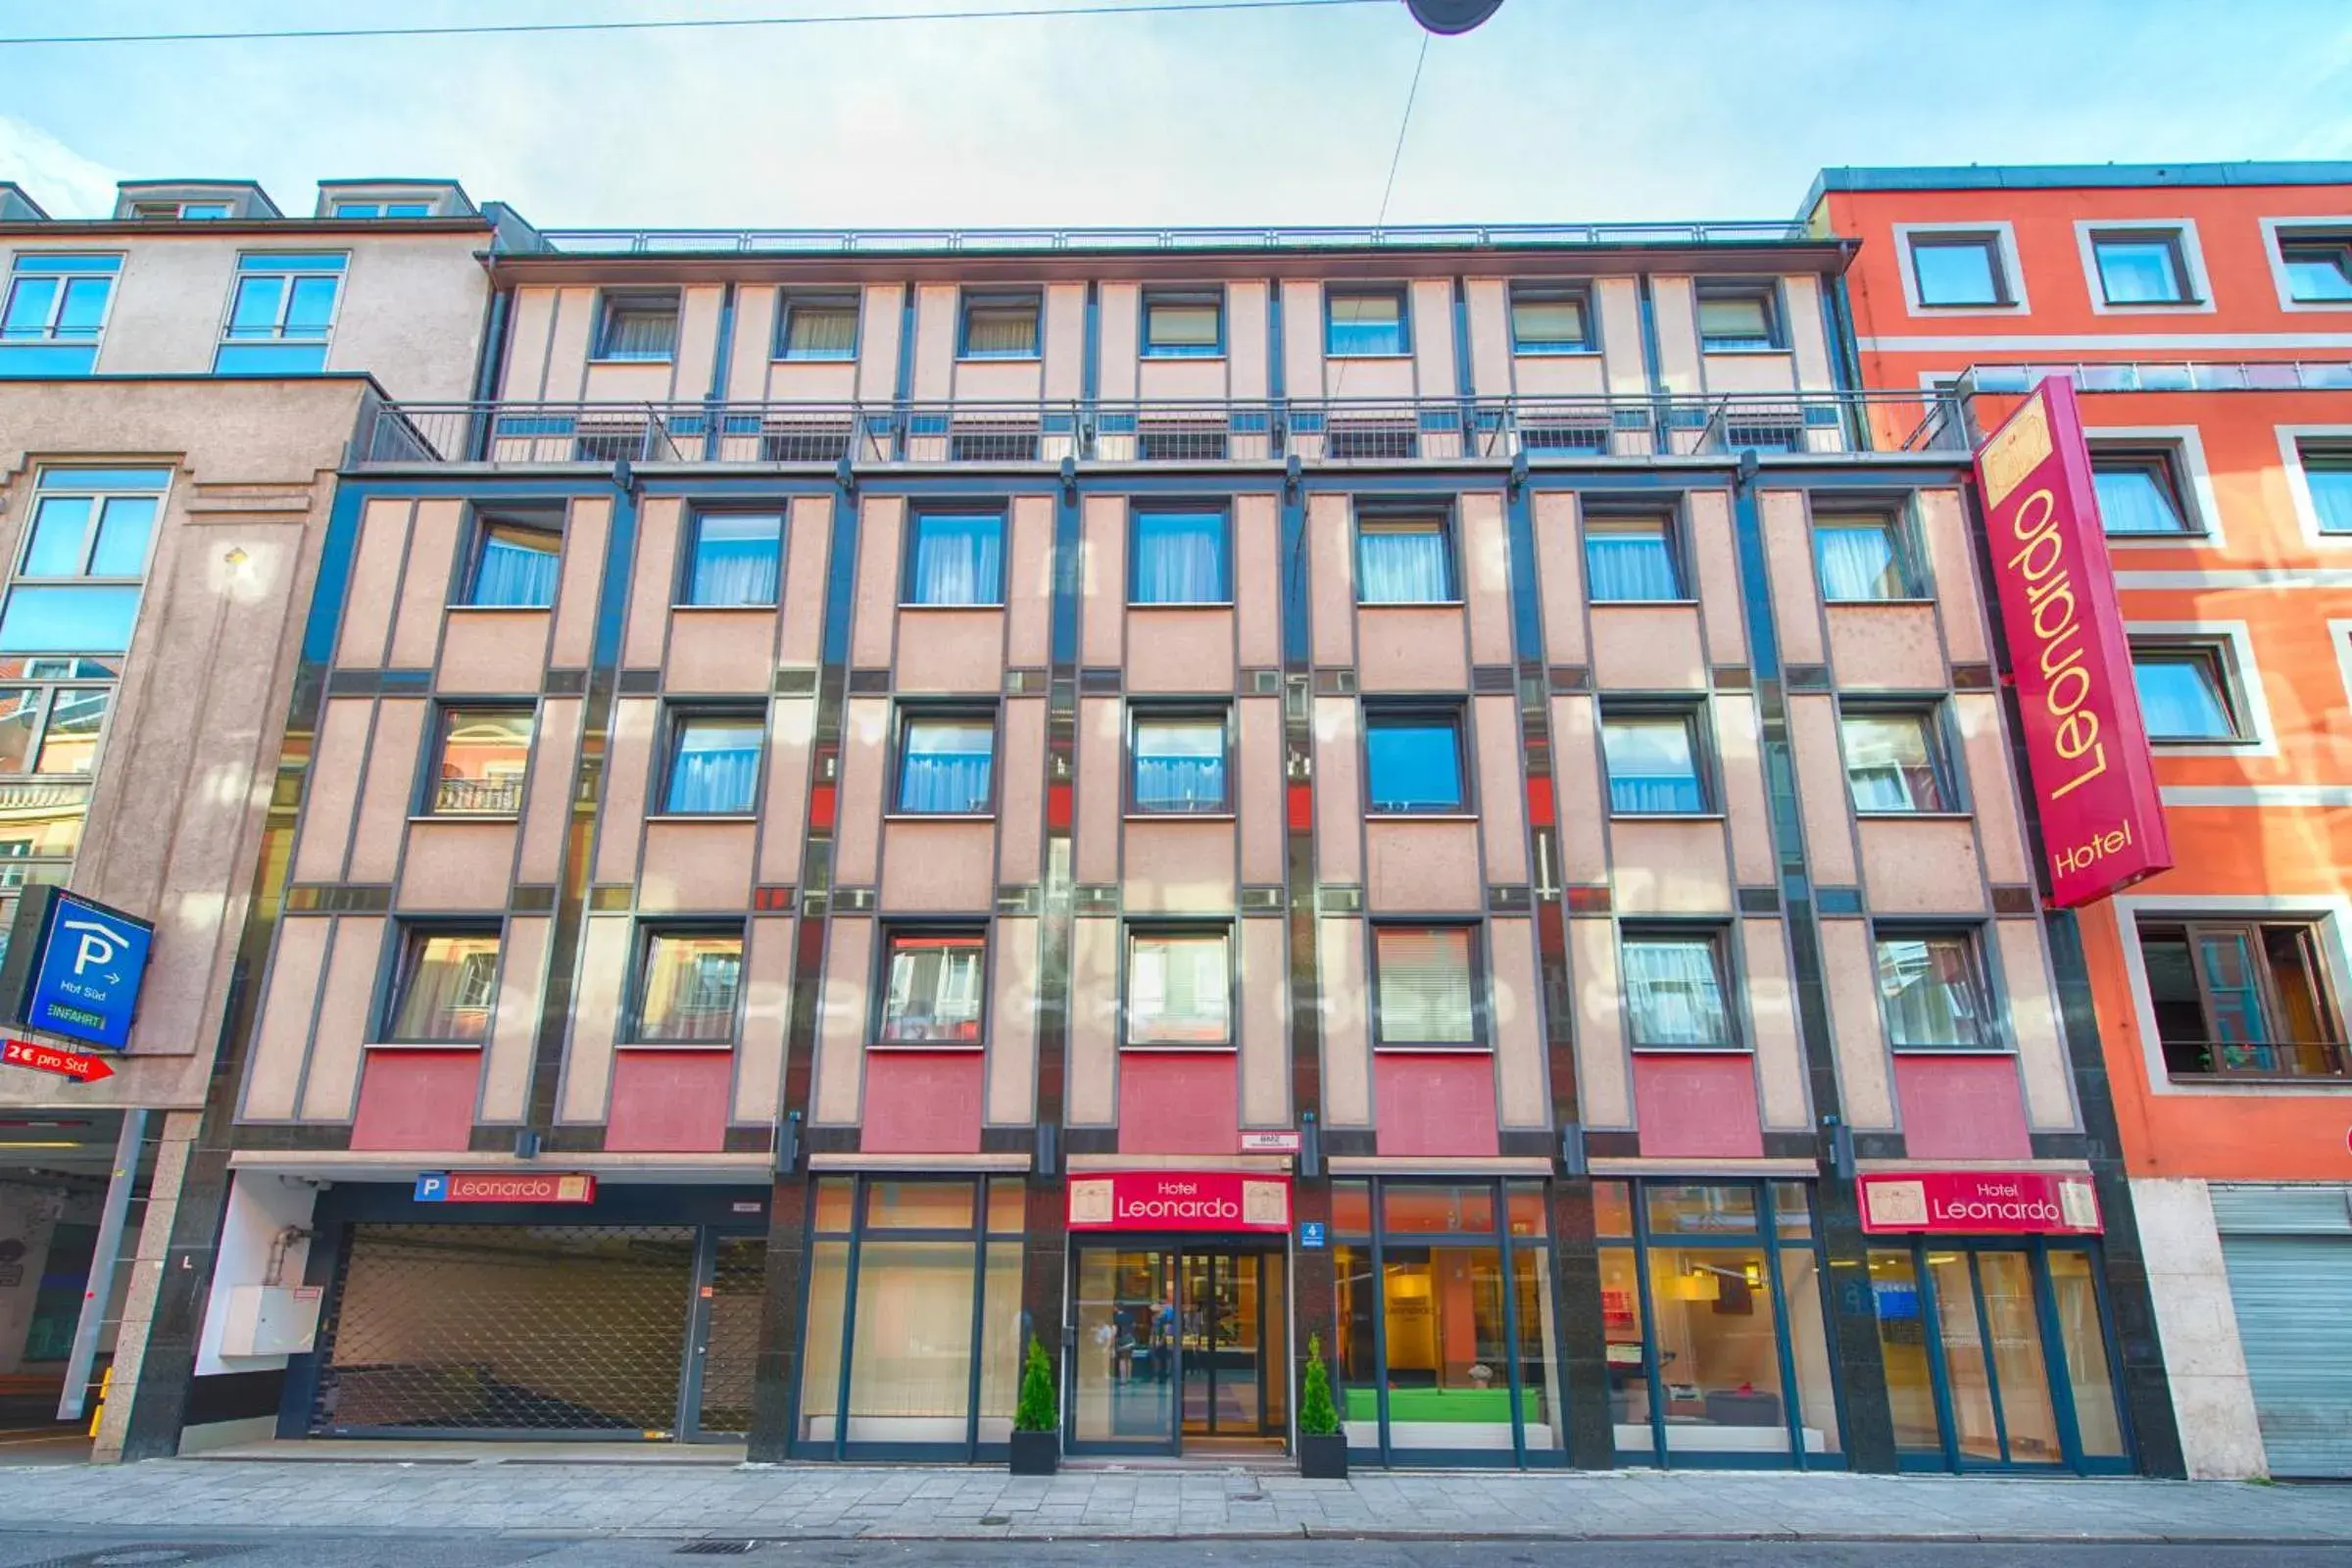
(432, 1187)
(1311, 1233)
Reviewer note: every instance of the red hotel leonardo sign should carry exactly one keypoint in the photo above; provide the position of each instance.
(1963, 1203)
(2087, 751)
(1180, 1200)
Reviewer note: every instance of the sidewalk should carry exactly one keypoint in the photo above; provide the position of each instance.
(527, 1495)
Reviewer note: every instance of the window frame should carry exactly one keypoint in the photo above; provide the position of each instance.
(45, 693)
(409, 939)
(910, 546)
(682, 596)
(2167, 457)
(909, 713)
(1900, 519)
(1935, 723)
(648, 932)
(2311, 450)
(99, 485)
(1695, 719)
(1221, 508)
(251, 265)
(611, 303)
(2176, 235)
(985, 299)
(2317, 931)
(1990, 241)
(382, 207)
(1451, 714)
(1606, 519)
(2280, 234)
(480, 520)
(1148, 712)
(445, 712)
(1212, 295)
(1403, 295)
(786, 299)
(1539, 293)
(1482, 1038)
(65, 269)
(1721, 951)
(2218, 653)
(1765, 292)
(878, 1036)
(678, 718)
(1178, 930)
(1392, 515)
(1993, 1038)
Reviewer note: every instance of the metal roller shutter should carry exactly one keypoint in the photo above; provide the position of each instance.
(2288, 1250)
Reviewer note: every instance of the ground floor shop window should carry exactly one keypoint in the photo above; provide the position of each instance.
(912, 1337)
(1712, 1311)
(1446, 1324)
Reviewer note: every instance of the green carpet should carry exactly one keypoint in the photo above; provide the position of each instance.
(1488, 1405)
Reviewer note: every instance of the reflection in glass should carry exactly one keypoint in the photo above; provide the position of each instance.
(1809, 1349)
(76, 718)
(1718, 1352)
(689, 986)
(820, 1353)
(1904, 1345)
(1000, 1347)
(910, 1361)
(1449, 1382)
(2010, 1315)
(1126, 1351)
(1542, 1408)
(1627, 1352)
(1354, 1362)
(1966, 1375)
(484, 752)
(2084, 1338)
(449, 986)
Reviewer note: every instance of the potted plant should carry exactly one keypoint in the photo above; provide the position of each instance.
(1322, 1447)
(1036, 1446)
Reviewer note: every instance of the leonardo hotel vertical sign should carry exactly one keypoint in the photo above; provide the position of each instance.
(2101, 821)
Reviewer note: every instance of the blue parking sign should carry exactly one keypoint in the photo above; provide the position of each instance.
(432, 1187)
(87, 962)
(1311, 1233)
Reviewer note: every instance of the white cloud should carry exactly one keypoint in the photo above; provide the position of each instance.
(64, 183)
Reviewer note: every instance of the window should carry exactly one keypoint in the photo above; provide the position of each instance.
(1959, 269)
(1653, 765)
(1183, 326)
(2327, 477)
(2142, 266)
(1930, 993)
(1737, 316)
(51, 730)
(1180, 764)
(2318, 268)
(736, 557)
(55, 312)
(1180, 559)
(2138, 490)
(1862, 557)
(1403, 559)
(1413, 762)
(384, 208)
(1551, 320)
(957, 558)
(1630, 559)
(1424, 991)
(447, 986)
(932, 988)
(714, 765)
(280, 314)
(2243, 997)
(1674, 990)
(1177, 989)
(481, 757)
(1359, 322)
(1894, 762)
(686, 985)
(1001, 326)
(945, 764)
(77, 588)
(149, 211)
(515, 558)
(638, 326)
(2185, 692)
(817, 326)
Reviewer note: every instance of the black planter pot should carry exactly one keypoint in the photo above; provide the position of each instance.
(1323, 1458)
(1036, 1454)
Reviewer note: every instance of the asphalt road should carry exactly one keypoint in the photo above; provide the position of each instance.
(429, 1550)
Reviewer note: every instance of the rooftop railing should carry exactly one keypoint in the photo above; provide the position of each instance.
(2168, 376)
(982, 241)
(1318, 431)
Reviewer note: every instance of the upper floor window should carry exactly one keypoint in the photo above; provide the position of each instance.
(1862, 556)
(1674, 990)
(1180, 764)
(1179, 989)
(384, 208)
(736, 557)
(638, 326)
(51, 730)
(1413, 760)
(1425, 986)
(77, 588)
(1956, 268)
(516, 558)
(957, 558)
(2328, 478)
(280, 314)
(55, 312)
(1631, 558)
(447, 985)
(2319, 268)
(2139, 489)
(1359, 322)
(2243, 997)
(153, 211)
(2142, 266)
(687, 982)
(817, 326)
(481, 756)
(1180, 559)
(1931, 995)
(1183, 325)
(1403, 558)
(1895, 762)
(1550, 320)
(1654, 764)
(1002, 326)
(932, 988)
(1738, 315)
(713, 763)
(2186, 691)
(946, 763)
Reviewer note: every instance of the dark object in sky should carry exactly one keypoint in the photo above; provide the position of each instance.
(1449, 17)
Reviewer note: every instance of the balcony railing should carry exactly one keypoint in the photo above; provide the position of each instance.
(477, 796)
(1372, 432)
(2168, 376)
(982, 241)
(2283, 1060)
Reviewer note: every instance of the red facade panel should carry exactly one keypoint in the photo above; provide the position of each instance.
(922, 1103)
(669, 1101)
(1698, 1104)
(1962, 1107)
(1179, 1103)
(417, 1100)
(1442, 1102)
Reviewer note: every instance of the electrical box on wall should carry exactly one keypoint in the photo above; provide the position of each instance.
(269, 1320)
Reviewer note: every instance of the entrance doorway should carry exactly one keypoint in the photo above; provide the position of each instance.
(1180, 1349)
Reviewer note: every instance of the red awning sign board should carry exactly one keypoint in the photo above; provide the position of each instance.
(1960, 1202)
(83, 1067)
(1180, 1200)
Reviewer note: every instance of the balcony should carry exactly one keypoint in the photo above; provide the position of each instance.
(1314, 433)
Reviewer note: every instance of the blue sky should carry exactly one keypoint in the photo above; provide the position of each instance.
(1557, 110)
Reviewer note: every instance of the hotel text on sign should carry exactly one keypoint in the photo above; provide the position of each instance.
(1170, 1200)
(2085, 749)
(1950, 1202)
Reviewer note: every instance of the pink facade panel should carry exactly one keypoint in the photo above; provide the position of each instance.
(922, 1103)
(1435, 1104)
(1179, 1103)
(1697, 1105)
(1962, 1107)
(669, 1101)
(419, 1100)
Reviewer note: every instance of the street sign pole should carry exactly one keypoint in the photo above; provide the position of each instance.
(100, 1290)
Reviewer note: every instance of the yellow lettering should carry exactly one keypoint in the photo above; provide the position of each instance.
(2076, 733)
(2099, 755)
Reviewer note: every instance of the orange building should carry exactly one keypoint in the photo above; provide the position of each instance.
(2205, 313)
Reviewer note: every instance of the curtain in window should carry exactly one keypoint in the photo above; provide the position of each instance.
(1176, 990)
(517, 567)
(1652, 767)
(1857, 561)
(2180, 699)
(1425, 988)
(2132, 499)
(820, 331)
(958, 560)
(2331, 494)
(1547, 324)
(1179, 767)
(1631, 566)
(1930, 992)
(1672, 994)
(1180, 559)
(1402, 566)
(1182, 328)
(1005, 331)
(640, 333)
(1890, 763)
(735, 561)
(690, 984)
(934, 990)
(945, 766)
(715, 768)
(450, 990)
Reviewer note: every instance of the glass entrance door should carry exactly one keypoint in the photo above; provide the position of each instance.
(1123, 1392)
(1176, 1346)
(1226, 1327)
